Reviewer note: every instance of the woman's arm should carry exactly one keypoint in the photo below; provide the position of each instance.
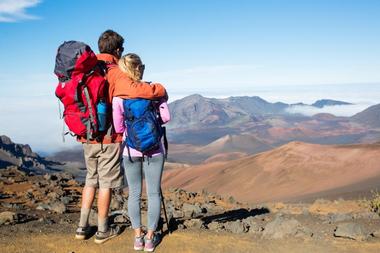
(125, 87)
(118, 114)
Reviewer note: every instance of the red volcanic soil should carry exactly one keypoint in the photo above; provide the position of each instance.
(228, 147)
(284, 173)
(225, 157)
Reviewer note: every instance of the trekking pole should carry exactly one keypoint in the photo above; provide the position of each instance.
(163, 206)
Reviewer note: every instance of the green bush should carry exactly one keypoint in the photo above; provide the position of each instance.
(374, 203)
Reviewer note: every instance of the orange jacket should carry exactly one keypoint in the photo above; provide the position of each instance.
(121, 85)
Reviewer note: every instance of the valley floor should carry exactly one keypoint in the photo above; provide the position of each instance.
(58, 238)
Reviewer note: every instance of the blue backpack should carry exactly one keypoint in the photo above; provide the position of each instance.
(144, 125)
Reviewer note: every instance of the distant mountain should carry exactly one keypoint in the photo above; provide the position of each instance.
(328, 102)
(198, 120)
(369, 117)
(256, 105)
(198, 111)
(21, 155)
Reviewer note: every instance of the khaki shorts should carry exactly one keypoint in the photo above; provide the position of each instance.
(103, 165)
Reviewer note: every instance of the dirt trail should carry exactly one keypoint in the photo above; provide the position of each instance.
(179, 241)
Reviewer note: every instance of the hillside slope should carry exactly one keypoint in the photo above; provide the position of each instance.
(285, 173)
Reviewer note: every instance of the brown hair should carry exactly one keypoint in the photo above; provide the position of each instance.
(132, 65)
(110, 42)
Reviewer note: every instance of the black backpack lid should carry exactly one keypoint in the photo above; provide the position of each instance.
(66, 58)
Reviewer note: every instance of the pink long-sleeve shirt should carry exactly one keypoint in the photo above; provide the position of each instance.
(118, 121)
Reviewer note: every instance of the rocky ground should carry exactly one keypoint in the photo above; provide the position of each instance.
(38, 213)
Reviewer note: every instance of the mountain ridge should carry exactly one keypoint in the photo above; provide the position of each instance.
(199, 110)
(21, 155)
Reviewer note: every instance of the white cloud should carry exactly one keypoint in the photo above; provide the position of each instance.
(337, 110)
(15, 10)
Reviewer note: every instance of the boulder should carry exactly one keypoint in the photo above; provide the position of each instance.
(53, 196)
(352, 231)
(252, 225)
(376, 233)
(194, 223)
(42, 207)
(215, 226)
(67, 200)
(281, 228)
(338, 217)
(8, 218)
(57, 207)
(211, 208)
(29, 195)
(115, 204)
(367, 215)
(236, 227)
(121, 219)
(249, 221)
(191, 211)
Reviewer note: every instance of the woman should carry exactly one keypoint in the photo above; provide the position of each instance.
(150, 163)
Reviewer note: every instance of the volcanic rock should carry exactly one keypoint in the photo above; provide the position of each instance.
(281, 228)
(351, 231)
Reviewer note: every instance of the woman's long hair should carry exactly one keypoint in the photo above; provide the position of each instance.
(132, 65)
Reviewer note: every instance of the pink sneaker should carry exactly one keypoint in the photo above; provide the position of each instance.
(150, 244)
(139, 243)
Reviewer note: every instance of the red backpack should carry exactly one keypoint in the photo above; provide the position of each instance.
(82, 89)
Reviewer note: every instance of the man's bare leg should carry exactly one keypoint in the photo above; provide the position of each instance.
(88, 195)
(104, 200)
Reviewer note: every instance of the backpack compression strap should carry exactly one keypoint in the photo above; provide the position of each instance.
(91, 124)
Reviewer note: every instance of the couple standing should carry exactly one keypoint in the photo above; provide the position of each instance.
(103, 157)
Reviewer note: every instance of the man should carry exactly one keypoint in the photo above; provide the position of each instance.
(103, 157)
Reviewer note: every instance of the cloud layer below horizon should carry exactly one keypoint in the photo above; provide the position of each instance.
(29, 111)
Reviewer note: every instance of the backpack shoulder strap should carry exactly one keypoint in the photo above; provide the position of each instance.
(105, 66)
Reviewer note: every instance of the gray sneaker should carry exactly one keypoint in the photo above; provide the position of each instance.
(82, 233)
(102, 237)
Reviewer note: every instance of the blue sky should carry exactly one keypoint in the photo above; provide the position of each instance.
(213, 47)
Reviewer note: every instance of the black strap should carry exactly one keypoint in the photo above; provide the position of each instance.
(165, 215)
(166, 145)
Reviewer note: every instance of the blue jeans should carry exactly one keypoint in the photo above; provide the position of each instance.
(152, 168)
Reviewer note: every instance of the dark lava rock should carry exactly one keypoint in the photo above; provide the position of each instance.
(121, 219)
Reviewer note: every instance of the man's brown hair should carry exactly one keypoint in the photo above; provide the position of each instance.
(109, 42)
